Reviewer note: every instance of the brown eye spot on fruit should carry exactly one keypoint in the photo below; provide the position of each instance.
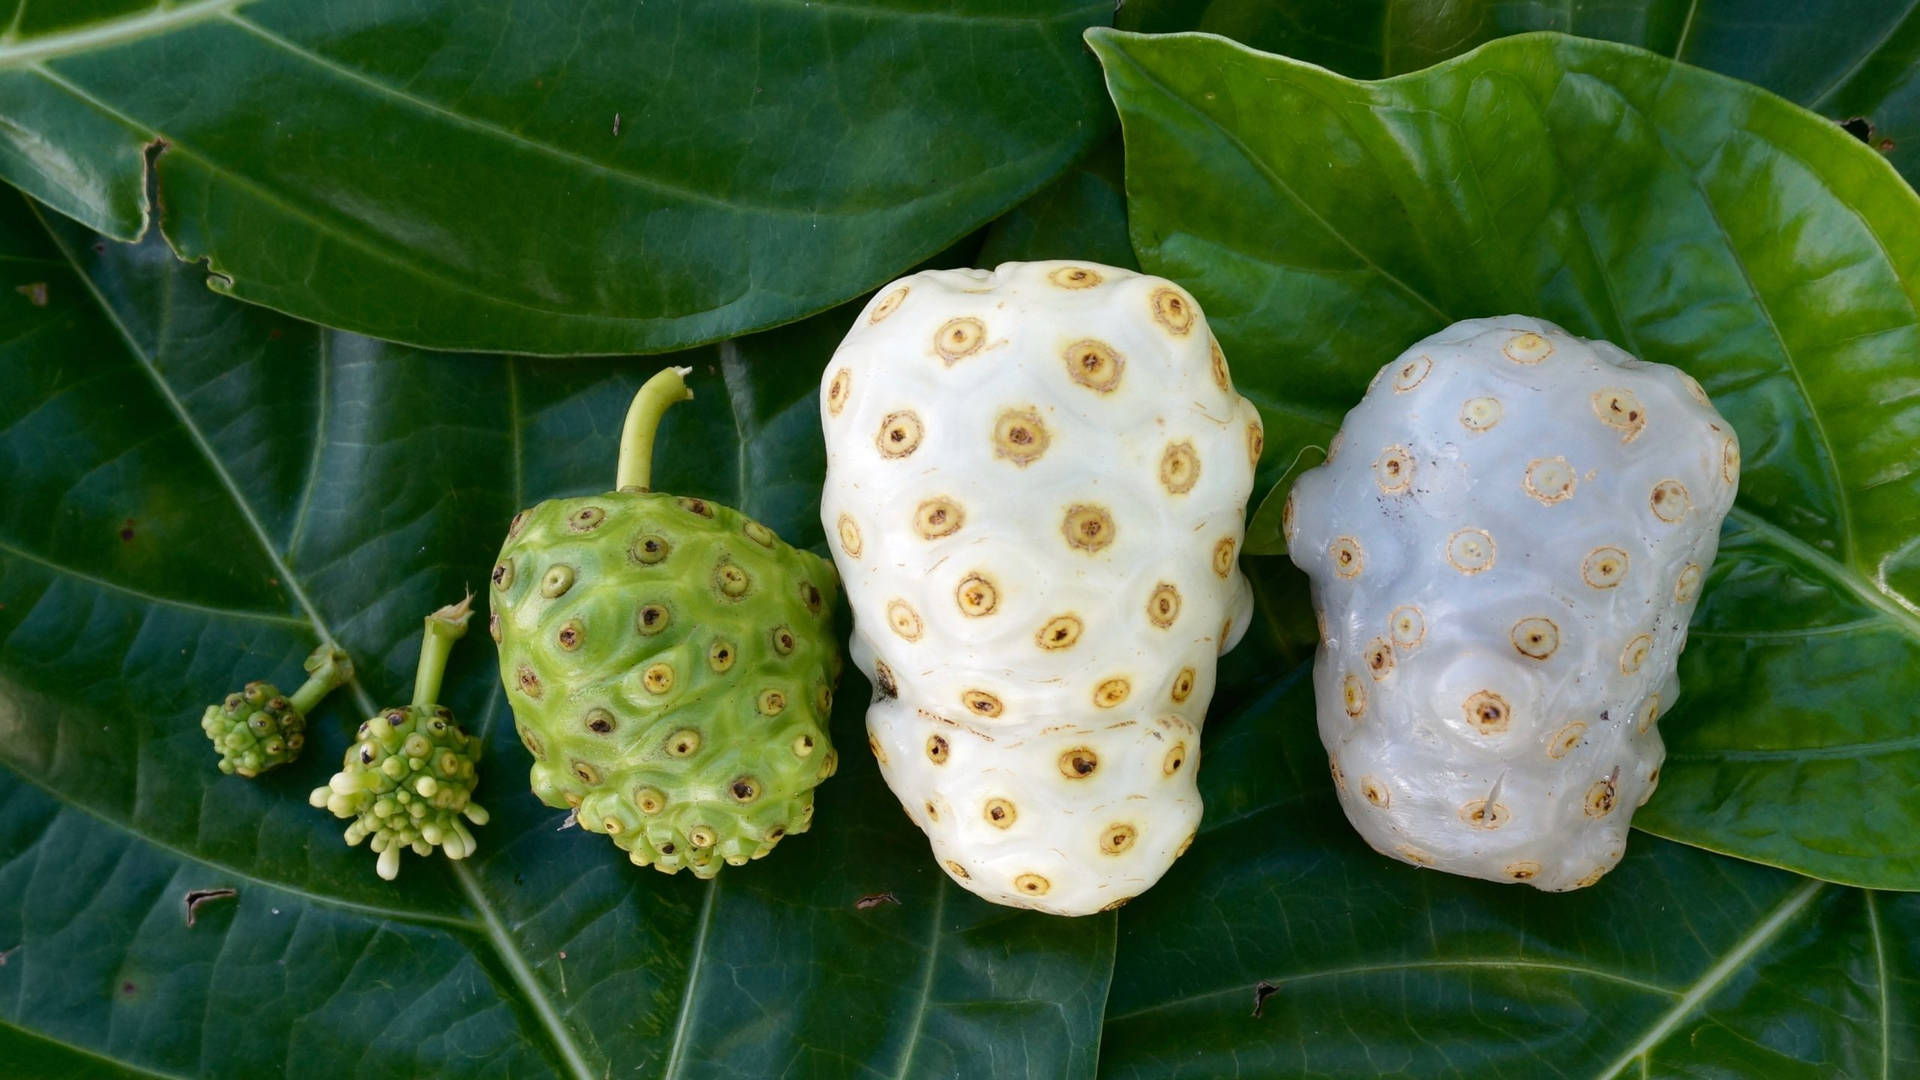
(1522, 870)
(658, 678)
(586, 519)
(1687, 586)
(1176, 756)
(683, 743)
(1411, 373)
(1564, 740)
(1183, 685)
(1604, 567)
(696, 506)
(1256, 441)
(1550, 480)
(1079, 763)
(528, 682)
(1600, 798)
(1480, 814)
(513, 527)
(1218, 361)
(1730, 462)
(1111, 692)
(837, 391)
(1173, 310)
(873, 744)
(503, 574)
(1348, 559)
(1000, 813)
(783, 640)
(701, 837)
(1032, 884)
(1635, 653)
(1407, 626)
(1020, 436)
(1117, 838)
(976, 595)
(802, 746)
(1620, 410)
(888, 304)
(1487, 712)
(1536, 637)
(981, 703)
(1075, 277)
(1163, 607)
(1649, 712)
(530, 741)
(744, 789)
(1094, 365)
(731, 581)
(933, 812)
(1353, 695)
(1060, 632)
(1223, 550)
(904, 620)
(771, 703)
(1470, 551)
(651, 619)
(1670, 501)
(883, 680)
(849, 536)
(586, 773)
(571, 635)
(1287, 519)
(720, 656)
(1694, 389)
(649, 800)
(959, 338)
(1179, 467)
(1527, 348)
(1379, 658)
(1375, 792)
(1393, 470)
(938, 517)
(649, 550)
(937, 749)
(556, 581)
(493, 628)
(1480, 414)
(899, 434)
(1087, 527)
(759, 534)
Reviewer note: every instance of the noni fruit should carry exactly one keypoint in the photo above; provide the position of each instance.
(670, 663)
(260, 728)
(408, 778)
(1506, 542)
(1036, 485)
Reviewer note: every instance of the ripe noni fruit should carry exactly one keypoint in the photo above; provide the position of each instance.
(408, 779)
(1506, 542)
(260, 728)
(670, 663)
(1036, 484)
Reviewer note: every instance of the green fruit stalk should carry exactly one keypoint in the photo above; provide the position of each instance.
(260, 728)
(409, 778)
(670, 663)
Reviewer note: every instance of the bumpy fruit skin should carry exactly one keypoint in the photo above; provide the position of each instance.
(406, 783)
(260, 728)
(671, 664)
(1506, 542)
(1036, 486)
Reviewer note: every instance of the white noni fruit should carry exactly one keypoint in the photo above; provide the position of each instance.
(1036, 485)
(1506, 542)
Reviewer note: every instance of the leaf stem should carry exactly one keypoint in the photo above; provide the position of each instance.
(643, 420)
(444, 627)
(328, 669)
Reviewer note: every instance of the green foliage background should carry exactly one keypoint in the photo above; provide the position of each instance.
(195, 488)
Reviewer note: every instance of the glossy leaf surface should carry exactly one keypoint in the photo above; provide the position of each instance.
(1325, 224)
(599, 177)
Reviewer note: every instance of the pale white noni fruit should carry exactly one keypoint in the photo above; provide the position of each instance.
(1506, 542)
(1036, 484)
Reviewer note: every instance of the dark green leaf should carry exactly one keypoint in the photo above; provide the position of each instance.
(590, 177)
(1325, 224)
(195, 490)
(1841, 58)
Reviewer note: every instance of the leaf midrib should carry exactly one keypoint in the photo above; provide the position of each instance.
(15, 51)
(497, 936)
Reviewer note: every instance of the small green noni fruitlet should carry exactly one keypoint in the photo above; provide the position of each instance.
(670, 663)
(409, 778)
(260, 728)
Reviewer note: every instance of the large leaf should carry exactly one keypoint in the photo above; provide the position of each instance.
(196, 490)
(1326, 224)
(603, 176)
(1841, 58)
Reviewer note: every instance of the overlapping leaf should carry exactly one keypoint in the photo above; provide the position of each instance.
(1326, 224)
(605, 176)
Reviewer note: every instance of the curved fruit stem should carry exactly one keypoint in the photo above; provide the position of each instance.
(643, 419)
(328, 669)
(444, 627)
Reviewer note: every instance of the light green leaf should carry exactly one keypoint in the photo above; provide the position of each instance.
(606, 176)
(1325, 224)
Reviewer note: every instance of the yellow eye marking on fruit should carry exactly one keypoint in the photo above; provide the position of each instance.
(900, 434)
(959, 338)
(1470, 550)
(1527, 348)
(1487, 712)
(1060, 632)
(888, 304)
(1087, 528)
(1604, 567)
(1393, 470)
(1020, 436)
(1180, 467)
(1411, 374)
(1550, 480)
(1348, 559)
(1536, 637)
(1172, 310)
(1094, 365)
(1670, 501)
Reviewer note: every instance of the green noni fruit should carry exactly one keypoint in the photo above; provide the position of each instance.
(408, 779)
(260, 728)
(670, 663)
